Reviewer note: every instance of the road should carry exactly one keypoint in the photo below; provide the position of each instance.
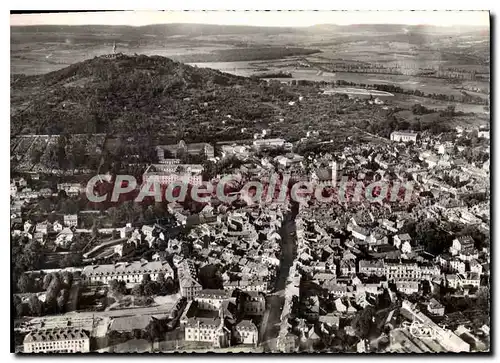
(373, 135)
(270, 323)
(150, 310)
(82, 318)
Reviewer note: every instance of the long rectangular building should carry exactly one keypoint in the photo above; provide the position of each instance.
(404, 136)
(189, 174)
(175, 150)
(130, 272)
(188, 279)
(65, 340)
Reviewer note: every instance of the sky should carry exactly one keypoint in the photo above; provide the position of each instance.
(253, 18)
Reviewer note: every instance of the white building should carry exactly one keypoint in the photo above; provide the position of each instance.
(210, 330)
(13, 189)
(271, 143)
(372, 267)
(435, 307)
(168, 173)
(188, 280)
(400, 239)
(246, 332)
(460, 244)
(404, 136)
(65, 340)
(402, 270)
(130, 272)
(457, 266)
(64, 238)
(475, 267)
(71, 220)
(57, 226)
(484, 133)
(464, 247)
(407, 287)
(209, 299)
(71, 189)
(257, 285)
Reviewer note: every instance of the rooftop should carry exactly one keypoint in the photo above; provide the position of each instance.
(55, 335)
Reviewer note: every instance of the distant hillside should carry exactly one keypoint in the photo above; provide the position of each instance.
(130, 94)
(20, 34)
(394, 28)
(182, 29)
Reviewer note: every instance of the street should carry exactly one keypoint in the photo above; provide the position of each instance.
(269, 328)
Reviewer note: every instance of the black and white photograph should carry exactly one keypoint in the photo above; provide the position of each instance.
(250, 182)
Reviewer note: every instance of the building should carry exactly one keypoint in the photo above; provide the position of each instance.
(64, 238)
(404, 136)
(13, 189)
(435, 308)
(475, 267)
(71, 220)
(271, 143)
(455, 265)
(246, 332)
(43, 227)
(330, 320)
(463, 247)
(241, 150)
(311, 308)
(430, 271)
(483, 132)
(188, 280)
(177, 150)
(210, 299)
(462, 244)
(402, 270)
(210, 330)
(164, 174)
(57, 226)
(254, 303)
(374, 289)
(451, 342)
(325, 176)
(130, 272)
(407, 287)
(372, 267)
(347, 267)
(400, 239)
(257, 285)
(64, 340)
(359, 232)
(71, 189)
(468, 279)
(336, 290)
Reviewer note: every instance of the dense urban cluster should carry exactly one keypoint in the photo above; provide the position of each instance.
(407, 274)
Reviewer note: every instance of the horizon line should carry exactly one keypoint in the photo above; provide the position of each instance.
(276, 19)
(256, 26)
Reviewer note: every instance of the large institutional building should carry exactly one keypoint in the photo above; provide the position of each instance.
(210, 330)
(66, 340)
(176, 150)
(210, 299)
(130, 272)
(271, 143)
(168, 173)
(188, 280)
(404, 136)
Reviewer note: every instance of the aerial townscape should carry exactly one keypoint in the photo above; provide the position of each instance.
(213, 188)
